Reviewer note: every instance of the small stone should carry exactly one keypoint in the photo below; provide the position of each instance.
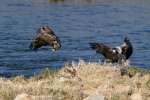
(23, 96)
(95, 97)
(136, 96)
(123, 71)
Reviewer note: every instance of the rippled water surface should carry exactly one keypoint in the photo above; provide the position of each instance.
(76, 23)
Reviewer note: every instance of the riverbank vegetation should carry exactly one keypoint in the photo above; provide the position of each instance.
(80, 81)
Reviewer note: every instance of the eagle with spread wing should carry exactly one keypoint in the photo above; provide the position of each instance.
(116, 54)
(45, 37)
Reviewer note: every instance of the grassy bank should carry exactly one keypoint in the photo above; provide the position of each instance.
(80, 81)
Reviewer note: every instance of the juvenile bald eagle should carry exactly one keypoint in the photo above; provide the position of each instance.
(116, 54)
(45, 36)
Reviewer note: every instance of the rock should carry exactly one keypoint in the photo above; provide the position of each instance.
(95, 97)
(123, 71)
(136, 96)
(122, 88)
(23, 96)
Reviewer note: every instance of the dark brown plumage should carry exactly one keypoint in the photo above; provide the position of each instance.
(127, 48)
(116, 54)
(45, 36)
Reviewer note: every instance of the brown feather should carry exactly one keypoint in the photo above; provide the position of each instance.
(45, 36)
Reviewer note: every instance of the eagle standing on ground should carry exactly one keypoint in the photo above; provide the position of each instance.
(45, 36)
(116, 54)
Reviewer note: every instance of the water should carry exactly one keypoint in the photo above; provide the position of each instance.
(76, 23)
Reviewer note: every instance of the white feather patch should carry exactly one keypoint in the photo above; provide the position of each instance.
(114, 51)
(123, 45)
(119, 49)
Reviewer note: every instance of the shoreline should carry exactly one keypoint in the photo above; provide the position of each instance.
(79, 81)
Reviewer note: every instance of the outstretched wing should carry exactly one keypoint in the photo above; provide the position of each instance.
(96, 46)
(45, 36)
(100, 47)
(42, 39)
(106, 51)
(37, 43)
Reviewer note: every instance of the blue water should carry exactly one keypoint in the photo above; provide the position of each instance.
(77, 24)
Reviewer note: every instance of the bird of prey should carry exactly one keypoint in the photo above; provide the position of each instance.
(45, 37)
(115, 54)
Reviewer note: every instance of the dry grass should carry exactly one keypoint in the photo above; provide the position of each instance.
(76, 82)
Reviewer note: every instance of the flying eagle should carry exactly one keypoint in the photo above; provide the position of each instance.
(45, 36)
(116, 54)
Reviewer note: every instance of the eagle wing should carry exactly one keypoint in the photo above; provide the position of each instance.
(106, 51)
(42, 39)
